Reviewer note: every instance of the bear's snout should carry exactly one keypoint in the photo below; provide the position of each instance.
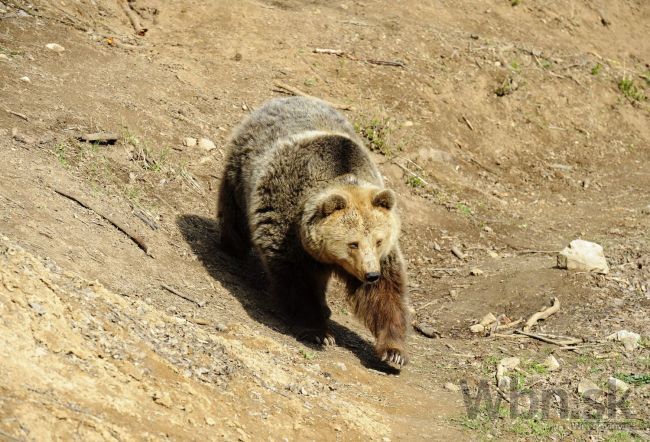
(372, 277)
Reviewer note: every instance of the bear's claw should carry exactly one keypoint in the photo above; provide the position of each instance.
(320, 337)
(395, 357)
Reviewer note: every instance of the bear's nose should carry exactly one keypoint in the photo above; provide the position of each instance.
(372, 276)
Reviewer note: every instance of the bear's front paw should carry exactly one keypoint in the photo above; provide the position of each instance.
(394, 356)
(317, 336)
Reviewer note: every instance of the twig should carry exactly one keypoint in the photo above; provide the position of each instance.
(134, 237)
(145, 217)
(457, 252)
(407, 170)
(285, 88)
(133, 18)
(563, 343)
(509, 325)
(18, 114)
(467, 122)
(543, 314)
(337, 52)
(100, 137)
(399, 64)
(172, 290)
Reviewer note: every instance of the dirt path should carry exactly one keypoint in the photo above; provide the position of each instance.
(507, 131)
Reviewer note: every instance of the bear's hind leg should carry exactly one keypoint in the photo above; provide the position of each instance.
(383, 307)
(234, 236)
(300, 290)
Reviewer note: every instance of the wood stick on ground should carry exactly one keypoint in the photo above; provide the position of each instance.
(399, 64)
(17, 114)
(467, 122)
(410, 172)
(543, 314)
(286, 89)
(173, 291)
(509, 325)
(133, 17)
(100, 137)
(561, 342)
(119, 226)
(337, 52)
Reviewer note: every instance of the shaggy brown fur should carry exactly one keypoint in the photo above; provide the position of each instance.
(302, 190)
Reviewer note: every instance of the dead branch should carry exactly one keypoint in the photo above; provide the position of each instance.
(337, 52)
(173, 291)
(133, 17)
(399, 64)
(543, 314)
(119, 226)
(286, 89)
(407, 170)
(17, 114)
(100, 137)
(562, 342)
(467, 122)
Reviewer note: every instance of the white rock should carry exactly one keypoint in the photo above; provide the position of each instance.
(189, 142)
(476, 272)
(617, 385)
(25, 79)
(451, 386)
(55, 47)
(629, 339)
(583, 256)
(503, 381)
(589, 389)
(551, 363)
(3, 57)
(477, 328)
(341, 366)
(206, 144)
(488, 319)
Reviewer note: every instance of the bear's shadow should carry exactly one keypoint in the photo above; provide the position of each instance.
(247, 282)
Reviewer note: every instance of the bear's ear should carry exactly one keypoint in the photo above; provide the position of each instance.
(384, 198)
(332, 203)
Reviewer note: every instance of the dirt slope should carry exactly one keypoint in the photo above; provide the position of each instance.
(507, 128)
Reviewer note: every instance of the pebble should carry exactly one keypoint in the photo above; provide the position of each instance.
(451, 386)
(162, 399)
(3, 57)
(427, 330)
(629, 339)
(210, 421)
(617, 385)
(221, 327)
(38, 308)
(493, 254)
(476, 272)
(457, 252)
(25, 79)
(551, 363)
(589, 389)
(55, 47)
(341, 366)
(407, 123)
(206, 144)
(189, 142)
(646, 210)
(583, 256)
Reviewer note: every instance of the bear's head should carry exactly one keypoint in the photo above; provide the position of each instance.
(353, 227)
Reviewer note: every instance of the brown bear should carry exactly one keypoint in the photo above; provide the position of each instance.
(300, 187)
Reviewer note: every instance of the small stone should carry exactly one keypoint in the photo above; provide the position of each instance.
(583, 256)
(477, 328)
(426, 330)
(646, 210)
(206, 144)
(451, 386)
(629, 339)
(210, 421)
(488, 319)
(201, 321)
(457, 252)
(55, 47)
(436, 247)
(493, 254)
(407, 123)
(189, 142)
(3, 57)
(589, 389)
(38, 308)
(341, 366)
(617, 385)
(221, 327)
(551, 363)
(476, 272)
(162, 398)
(25, 79)
(488, 229)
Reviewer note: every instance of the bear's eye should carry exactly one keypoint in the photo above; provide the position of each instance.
(378, 242)
(353, 245)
